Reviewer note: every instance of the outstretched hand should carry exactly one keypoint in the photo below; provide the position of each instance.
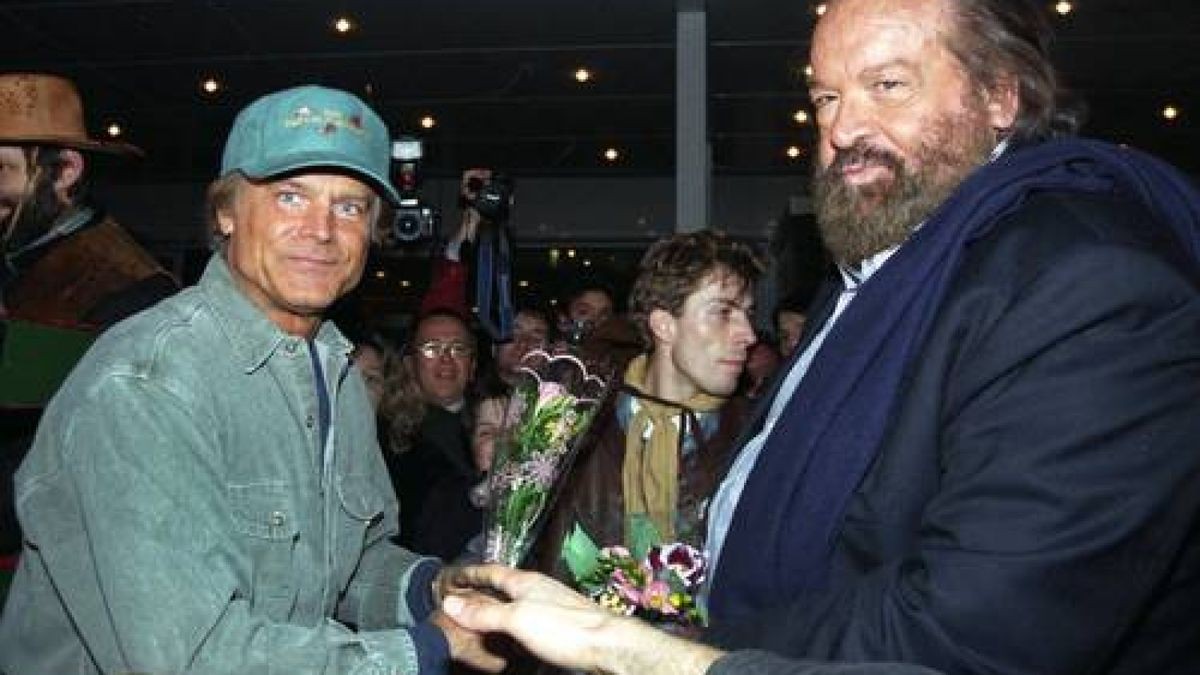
(562, 627)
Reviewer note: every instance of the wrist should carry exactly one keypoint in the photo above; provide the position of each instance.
(639, 648)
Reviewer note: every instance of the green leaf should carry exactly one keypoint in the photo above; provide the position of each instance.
(580, 553)
(643, 535)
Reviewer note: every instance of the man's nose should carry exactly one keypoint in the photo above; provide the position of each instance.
(851, 122)
(319, 223)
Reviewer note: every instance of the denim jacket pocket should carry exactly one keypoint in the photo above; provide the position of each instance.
(263, 514)
(361, 508)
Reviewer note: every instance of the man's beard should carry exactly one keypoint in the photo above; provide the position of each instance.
(33, 216)
(859, 221)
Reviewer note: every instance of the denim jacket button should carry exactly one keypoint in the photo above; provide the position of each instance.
(277, 518)
(309, 421)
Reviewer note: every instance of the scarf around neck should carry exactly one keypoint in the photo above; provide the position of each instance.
(650, 472)
(783, 531)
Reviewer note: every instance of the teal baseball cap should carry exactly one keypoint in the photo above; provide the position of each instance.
(310, 127)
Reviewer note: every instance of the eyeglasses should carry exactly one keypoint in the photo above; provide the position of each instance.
(432, 349)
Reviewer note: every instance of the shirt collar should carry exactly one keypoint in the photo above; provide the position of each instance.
(854, 276)
(253, 336)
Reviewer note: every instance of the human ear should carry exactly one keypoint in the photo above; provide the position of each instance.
(225, 223)
(1003, 100)
(69, 173)
(662, 325)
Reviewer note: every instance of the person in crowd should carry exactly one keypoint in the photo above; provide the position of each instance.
(983, 458)
(585, 310)
(206, 492)
(762, 360)
(371, 356)
(565, 629)
(659, 448)
(789, 324)
(531, 331)
(588, 325)
(431, 469)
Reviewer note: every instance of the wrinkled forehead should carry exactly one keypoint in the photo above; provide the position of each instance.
(856, 34)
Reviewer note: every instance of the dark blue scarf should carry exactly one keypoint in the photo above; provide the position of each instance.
(782, 535)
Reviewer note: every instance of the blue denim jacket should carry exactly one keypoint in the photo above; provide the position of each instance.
(178, 515)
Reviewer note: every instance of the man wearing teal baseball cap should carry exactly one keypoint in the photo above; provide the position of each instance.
(206, 491)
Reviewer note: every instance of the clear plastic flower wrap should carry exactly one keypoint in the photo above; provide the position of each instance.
(551, 408)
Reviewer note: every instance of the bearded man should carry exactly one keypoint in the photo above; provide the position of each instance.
(983, 456)
(65, 262)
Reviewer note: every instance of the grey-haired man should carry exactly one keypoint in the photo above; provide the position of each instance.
(206, 492)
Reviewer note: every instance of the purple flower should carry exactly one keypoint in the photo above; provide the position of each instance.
(685, 561)
(549, 391)
(541, 471)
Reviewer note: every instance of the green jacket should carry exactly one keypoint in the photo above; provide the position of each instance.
(178, 514)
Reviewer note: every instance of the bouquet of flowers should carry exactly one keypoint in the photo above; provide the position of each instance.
(550, 409)
(655, 581)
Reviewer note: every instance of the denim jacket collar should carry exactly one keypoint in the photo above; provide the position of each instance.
(253, 336)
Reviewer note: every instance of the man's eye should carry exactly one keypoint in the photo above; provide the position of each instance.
(288, 198)
(886, 86)
(349, 209)
(821, 100)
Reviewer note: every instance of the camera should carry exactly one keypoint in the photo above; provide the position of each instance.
(414, 220)
(491, 198)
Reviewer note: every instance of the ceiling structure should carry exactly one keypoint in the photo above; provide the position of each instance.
(498, 77)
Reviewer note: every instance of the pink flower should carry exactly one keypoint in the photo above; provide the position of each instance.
(685, 561)
(656, 596)
(625, 587)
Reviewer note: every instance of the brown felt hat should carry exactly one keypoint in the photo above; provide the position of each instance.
(40, 109)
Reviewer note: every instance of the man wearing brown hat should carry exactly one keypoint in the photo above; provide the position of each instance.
(65, 263)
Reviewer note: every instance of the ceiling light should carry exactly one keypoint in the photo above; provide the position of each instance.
(405, 283)
(524, 283)
(820, 9)
(1063, 7)
(570, 253)
(380, 274)
(612, 154)
(210, 85)
(114, 130)
(428, 122)
(808, 71)
(583, 75)
(794, 151)
(1170, 113)
(587, 263)
(343, 24)
(801, 116)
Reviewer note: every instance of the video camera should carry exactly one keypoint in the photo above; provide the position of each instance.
(414, 220)
(492, 197)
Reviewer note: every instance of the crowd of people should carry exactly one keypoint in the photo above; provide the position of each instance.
(973, 452)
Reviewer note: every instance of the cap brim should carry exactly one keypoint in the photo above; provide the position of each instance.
(323, 160)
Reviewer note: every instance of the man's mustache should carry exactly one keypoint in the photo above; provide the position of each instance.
(863, 154)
